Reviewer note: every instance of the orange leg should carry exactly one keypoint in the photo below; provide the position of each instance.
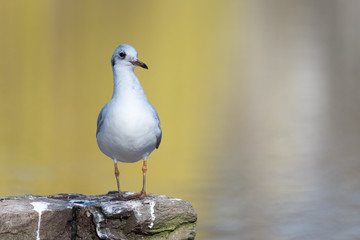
(142, 194)
(144, 170)
(117, 173)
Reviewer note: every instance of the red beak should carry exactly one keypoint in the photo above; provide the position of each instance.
(139, 63)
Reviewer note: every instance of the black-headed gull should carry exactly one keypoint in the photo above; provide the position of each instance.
(128, 127)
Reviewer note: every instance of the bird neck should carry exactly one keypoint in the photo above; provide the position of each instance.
(125, 80)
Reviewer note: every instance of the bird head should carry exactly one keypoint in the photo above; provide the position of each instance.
(126, 56)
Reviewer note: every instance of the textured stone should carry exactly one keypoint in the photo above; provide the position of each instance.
(75, 216)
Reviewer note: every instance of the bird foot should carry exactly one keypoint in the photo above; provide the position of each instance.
(118, 197)
(140, 195)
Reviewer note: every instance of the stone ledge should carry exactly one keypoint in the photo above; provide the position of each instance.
(75, 216)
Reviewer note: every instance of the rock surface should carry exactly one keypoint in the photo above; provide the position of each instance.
(75, 216)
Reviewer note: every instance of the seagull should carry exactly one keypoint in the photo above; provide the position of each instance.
(128, 127)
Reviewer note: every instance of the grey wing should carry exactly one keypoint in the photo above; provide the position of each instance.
(158, 137)
(100, 121)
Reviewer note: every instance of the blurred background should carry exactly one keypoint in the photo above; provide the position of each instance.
(258, 100)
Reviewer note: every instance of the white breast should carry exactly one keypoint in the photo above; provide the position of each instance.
(129, 131)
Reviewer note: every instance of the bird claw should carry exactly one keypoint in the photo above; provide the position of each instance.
(118, 197)
(140, 195)
(122, 197)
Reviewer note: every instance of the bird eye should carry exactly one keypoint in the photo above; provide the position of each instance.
(122, 54)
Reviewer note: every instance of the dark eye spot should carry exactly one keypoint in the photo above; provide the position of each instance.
(122, 55)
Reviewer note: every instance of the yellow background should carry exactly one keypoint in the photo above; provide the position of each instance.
(258, 101)
(55, 76)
